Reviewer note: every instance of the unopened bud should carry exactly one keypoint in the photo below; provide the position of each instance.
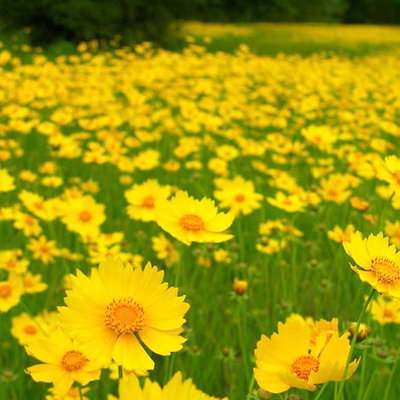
(363, 332)
(240, 286)
(263, 394)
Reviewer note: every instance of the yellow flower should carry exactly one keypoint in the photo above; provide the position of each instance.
(287, 360)
(12, 261)
(142, 199)
(165, 250)
(291, 203)
(64, 362)
(29, 225)
(107, 311)
(25, 328)
(6, 181)
(240, 286)
(43, 249)
(33, 283)
(389, 171)
(379, 263)
(11, 291)
(339, 235)
(72, 394)
(190, 220)
(358, 204)
(83, 215)
(175, 389)
(238, 195)
(386, 311)
(393, 231)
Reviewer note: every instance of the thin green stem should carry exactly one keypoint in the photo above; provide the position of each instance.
(80, 392)
(390, 380)
(120, 372)
(353, 344)
(321, 391)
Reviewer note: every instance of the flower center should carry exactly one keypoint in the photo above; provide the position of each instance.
(388, 313)
(30, 330)
(5, 291)
(85, 216)
(73, 360)
(386, 270)
(304, 365)
(124, 316)
(192, 222)
(148, 202)
(239, 198)
(11, 264)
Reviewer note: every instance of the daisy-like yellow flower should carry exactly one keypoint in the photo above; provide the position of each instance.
(288, 360)
(72, 394)
(33, 283)
(43, 249)
(339, 235)
(190, 220)
(291, 203)
(25, 328)
(238, 195)
(28, 224)
(11, 291)
(175, 389)
(379, 263)
(386, 311)
(141, 199)
(83, 215)
(108, 311)
(392, 229)
(389, 171)
(6, 181)
(12, 261)
(165, 250)
(64, 362)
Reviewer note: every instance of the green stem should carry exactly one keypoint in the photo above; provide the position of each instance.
(120, 372)
(321, 391)
(80, 392)
(390, 380)
(353, 344)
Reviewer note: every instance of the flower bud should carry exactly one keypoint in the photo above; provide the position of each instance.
(240, 286)
(263, 394)
(363, 332)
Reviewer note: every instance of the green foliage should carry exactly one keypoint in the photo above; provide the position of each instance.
(77, 20)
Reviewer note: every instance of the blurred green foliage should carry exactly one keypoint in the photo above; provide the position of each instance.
(140, 20)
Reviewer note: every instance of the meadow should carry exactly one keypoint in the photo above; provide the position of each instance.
(104, 152)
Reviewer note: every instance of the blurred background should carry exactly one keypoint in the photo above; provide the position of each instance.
(166, 23)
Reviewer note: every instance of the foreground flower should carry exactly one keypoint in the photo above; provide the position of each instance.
(64, 362)
(379, 263)
(108, 310)
(287, 360)
(190, 220)
(175, 389)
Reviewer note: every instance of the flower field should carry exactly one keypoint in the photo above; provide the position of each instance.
(199, 224)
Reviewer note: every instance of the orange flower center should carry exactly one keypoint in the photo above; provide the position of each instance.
(85, 216)
(386, 270)
(192, 222)
(333, 193)
(304, 365)
(38, 206)
(396, 176)
(239, 198)
(29, 221)
(11, 264)
(73, 360)
(388, 313)
(30, 330)
(124, 316)
(5, 291)
(148, 202)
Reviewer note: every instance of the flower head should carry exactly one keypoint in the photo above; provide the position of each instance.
(288, 360)
(108, 312)
(378, 264)
(190, 220)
